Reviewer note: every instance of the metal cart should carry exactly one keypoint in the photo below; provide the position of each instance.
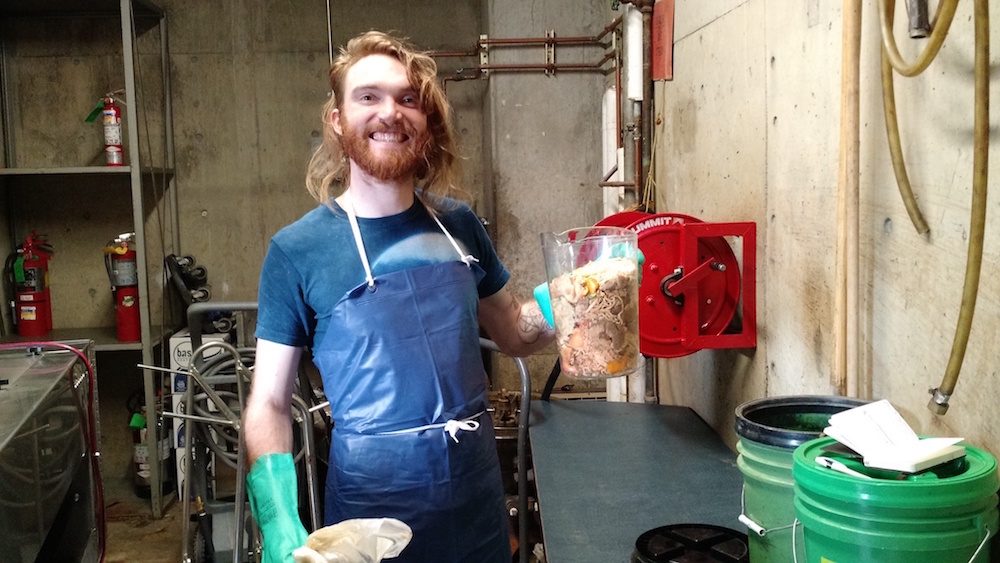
(216, 523)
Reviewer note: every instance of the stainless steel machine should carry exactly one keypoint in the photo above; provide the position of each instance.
(49, 489)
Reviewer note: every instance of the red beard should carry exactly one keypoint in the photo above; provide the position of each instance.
(405, 160)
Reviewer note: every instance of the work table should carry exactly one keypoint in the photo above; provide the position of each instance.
(607, 472)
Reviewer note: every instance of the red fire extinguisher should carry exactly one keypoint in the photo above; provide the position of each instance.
(28, 272)
(120, 261)
(111, 117)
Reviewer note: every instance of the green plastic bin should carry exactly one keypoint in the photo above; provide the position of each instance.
(945, 514)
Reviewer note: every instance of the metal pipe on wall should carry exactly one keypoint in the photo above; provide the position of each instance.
(636, 54)
(633, 53)
(610, 158)
(476, 72)
(454, 53)
(647, 98)
(637, 32)
(638, 25)
(530, 41)
(641, 78)
(547, 66)
(616, 390)
(618, 89)
(8, 161)
(919, 19)
(329, 31)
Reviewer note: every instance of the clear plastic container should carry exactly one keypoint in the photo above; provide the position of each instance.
(594, 289)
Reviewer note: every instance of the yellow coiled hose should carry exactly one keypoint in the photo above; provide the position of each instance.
(892, 60)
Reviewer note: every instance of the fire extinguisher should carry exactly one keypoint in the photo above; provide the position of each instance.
(27, 272)
(120, 262)
(109, 109)
(111, 116)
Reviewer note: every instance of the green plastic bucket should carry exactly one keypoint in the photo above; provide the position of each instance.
(945, 514)
(770, 429)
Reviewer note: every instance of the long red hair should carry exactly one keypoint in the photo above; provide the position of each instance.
(329, 168)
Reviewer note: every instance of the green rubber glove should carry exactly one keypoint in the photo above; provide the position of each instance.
(274, 503)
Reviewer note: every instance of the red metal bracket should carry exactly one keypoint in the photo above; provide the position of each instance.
(695, 293)
(746, 337)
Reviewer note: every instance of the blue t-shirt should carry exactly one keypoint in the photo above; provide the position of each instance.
(313, 262)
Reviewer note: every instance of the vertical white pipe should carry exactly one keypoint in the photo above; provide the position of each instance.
(616, 389)
(637, 383)
(631, 388)
(632, 21)
(612, 197)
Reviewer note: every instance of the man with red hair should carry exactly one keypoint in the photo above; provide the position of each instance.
(387, 281)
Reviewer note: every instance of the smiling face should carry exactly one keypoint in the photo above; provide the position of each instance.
(382, 126)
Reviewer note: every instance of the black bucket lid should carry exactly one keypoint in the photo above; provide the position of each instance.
(788, 422)
(691, 542)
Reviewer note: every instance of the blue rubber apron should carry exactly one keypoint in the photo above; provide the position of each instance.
(402, 369)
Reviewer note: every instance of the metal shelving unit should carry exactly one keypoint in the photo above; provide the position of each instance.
(136, 17)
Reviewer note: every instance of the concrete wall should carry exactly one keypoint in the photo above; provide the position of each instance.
(248, 89)
(750, 133)
(544, 162)
(250, 78)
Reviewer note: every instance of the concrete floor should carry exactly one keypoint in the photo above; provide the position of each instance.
(133, 534)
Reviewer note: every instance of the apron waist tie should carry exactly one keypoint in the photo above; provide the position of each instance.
(451, 426)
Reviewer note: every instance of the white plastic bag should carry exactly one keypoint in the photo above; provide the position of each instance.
(361, 540)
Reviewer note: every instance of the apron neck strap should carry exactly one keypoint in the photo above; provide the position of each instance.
(468, 259)
(349, 208)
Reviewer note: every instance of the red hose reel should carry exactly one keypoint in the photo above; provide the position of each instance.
(695, 294)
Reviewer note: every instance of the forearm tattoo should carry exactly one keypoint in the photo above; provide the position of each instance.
(530, 323)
